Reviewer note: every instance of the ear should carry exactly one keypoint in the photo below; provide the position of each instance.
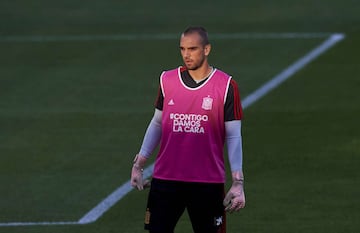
(207, 49)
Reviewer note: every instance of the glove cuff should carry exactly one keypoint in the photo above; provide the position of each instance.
(139, 162)
(238, 178)
(137, 167)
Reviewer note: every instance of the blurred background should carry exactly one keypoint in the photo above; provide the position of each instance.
(78, 80)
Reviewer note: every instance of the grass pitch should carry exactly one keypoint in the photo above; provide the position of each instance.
(73, 112)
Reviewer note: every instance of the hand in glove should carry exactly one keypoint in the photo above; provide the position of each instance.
(235, 198)
(137, 173)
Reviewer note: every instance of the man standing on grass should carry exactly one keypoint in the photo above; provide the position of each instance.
(197, 111)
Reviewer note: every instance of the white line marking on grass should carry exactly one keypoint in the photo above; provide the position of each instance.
(155, 36)
(18, 224)
(95, 213)
(113, 198)
(292, 69)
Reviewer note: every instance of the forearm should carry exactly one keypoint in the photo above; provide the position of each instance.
(152, 135)
(234, 147)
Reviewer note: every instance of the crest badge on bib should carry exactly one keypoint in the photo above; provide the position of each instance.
(207, 103)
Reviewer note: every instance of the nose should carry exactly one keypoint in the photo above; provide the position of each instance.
(186, 54)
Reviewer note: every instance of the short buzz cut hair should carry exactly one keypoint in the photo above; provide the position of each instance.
(199, 30)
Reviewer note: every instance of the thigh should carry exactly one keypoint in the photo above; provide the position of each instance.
(165, 206)
(205, 208)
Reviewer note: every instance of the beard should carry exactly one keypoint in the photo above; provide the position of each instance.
(194, 65)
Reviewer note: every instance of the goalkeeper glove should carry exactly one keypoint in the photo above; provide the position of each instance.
(137, 173)
(235, 198)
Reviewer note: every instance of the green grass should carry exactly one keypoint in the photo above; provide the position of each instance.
(73, 113)
(309, 152)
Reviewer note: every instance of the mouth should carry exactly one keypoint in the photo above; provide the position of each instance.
(188, 62)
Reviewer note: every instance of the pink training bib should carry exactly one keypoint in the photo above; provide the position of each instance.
(193, 131)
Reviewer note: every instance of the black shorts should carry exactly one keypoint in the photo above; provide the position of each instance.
(168, 200)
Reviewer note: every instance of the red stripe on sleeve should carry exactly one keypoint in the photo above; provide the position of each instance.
(238, 111)
(158, 101)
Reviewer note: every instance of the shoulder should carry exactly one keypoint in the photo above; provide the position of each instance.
(175, 71)
(222, 73)
(232, 82)
(223, 77)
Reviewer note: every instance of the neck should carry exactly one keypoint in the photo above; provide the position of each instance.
(202, 73)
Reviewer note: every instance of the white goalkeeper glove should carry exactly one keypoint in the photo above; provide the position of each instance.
(137, 173)
(235, 198)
